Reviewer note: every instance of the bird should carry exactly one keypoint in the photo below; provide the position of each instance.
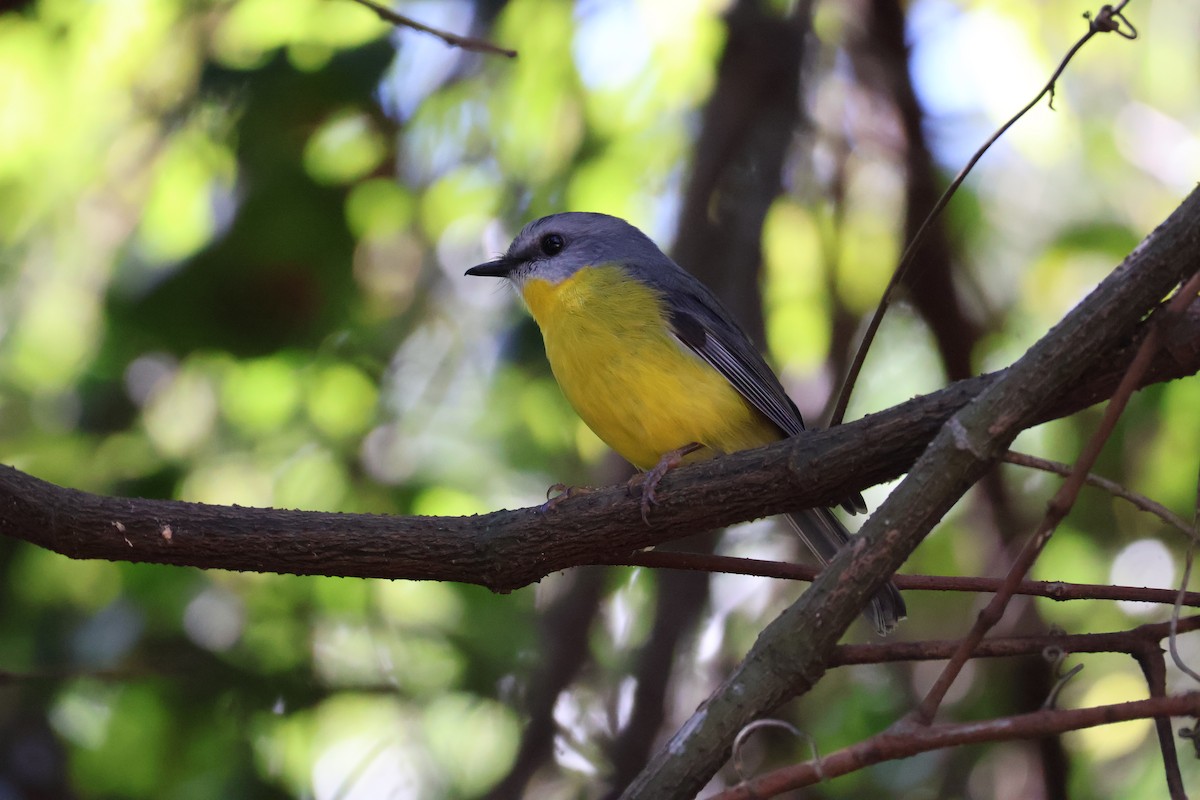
(654, 364)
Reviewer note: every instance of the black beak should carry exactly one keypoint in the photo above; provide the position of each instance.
(499, 268)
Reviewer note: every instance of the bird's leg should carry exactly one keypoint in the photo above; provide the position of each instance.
(649, 481)
(564, 492)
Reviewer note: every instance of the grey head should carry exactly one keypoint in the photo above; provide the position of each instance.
(554, 248)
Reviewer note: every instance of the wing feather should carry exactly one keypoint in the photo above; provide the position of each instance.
(728, 350)
(701, 325)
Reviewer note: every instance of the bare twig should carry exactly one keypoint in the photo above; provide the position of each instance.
(1062, 501)
(1112, 487)
(1127, 641)
(1192, 286)
(1187, 573)
(1154, 668)
(1055, 590)
(905, 741)
(844, 655)
(1057, 657)
(453, 39)
(1103, 23)
(365, 759)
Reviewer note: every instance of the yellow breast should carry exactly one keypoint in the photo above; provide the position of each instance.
(610, 348)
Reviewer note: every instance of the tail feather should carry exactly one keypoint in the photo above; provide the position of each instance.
(825, 535)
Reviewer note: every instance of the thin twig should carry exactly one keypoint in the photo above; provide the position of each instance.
(356, 772)
(452, 39)
(1192, 286)
(906, 741)
(1057, 657)
(1127, 641)
(1187, 573)
(1062, 501)
(1055, 590)
(1101, 24)
(745, 732)
(1112, 487)
(1154, 668)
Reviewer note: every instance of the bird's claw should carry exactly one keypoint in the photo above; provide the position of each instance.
(650, 480)
(647, 483)
(565, 492)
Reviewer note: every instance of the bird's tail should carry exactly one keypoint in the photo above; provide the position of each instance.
(825, 535)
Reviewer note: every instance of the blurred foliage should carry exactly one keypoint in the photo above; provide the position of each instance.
(232, 236)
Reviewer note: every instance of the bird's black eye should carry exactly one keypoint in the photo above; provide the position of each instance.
(552, 244)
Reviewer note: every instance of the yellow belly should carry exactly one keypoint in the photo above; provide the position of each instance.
(610, 349)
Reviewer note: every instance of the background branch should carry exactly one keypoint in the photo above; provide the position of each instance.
(453, 39)
(1103, 23)
(1112, 487)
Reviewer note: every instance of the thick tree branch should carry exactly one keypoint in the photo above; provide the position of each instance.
(791, 654)
(505, 550)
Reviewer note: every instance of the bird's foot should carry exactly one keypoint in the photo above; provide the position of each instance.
(563, 492)
(648, 481)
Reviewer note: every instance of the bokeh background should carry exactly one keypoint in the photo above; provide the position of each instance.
(232, 238)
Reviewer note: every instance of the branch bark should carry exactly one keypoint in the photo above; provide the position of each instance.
(505, 550)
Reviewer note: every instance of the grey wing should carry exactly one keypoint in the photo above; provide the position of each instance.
(705, 329)
(702, 325)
